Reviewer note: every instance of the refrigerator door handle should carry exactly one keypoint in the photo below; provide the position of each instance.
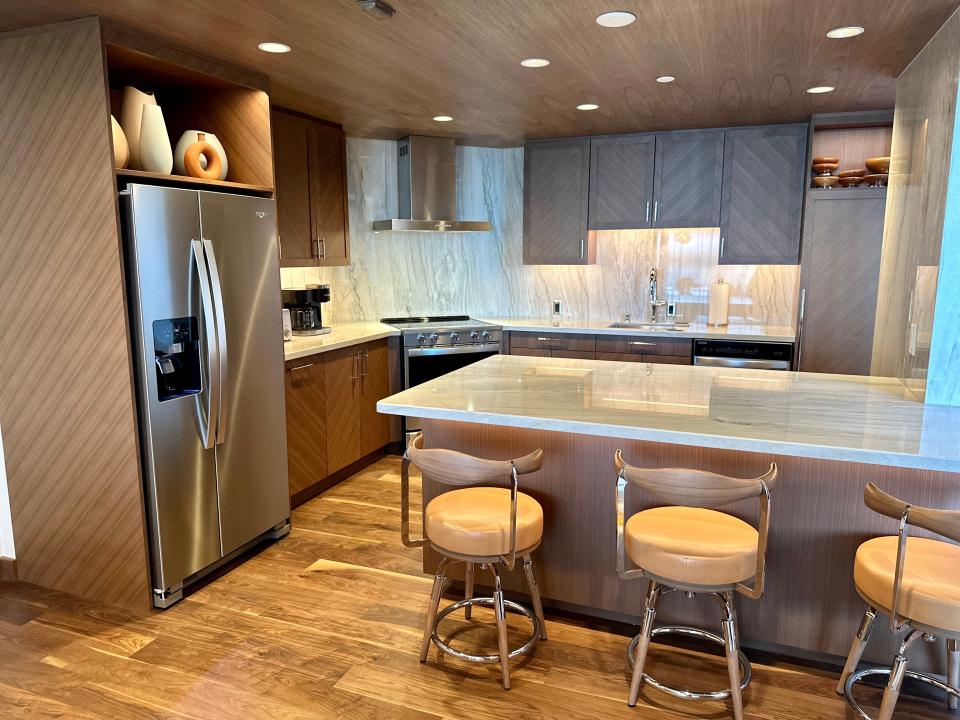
(206, 422)
(222, 409)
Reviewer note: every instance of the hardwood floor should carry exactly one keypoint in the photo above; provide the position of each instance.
(326, 624)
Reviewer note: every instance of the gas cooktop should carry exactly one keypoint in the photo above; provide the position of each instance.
(441, 330)
(436, 322)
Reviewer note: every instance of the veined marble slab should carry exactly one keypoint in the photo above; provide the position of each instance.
(342, 335)
(831, 417)
(770, 333)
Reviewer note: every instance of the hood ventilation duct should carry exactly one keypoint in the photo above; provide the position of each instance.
(427, 185)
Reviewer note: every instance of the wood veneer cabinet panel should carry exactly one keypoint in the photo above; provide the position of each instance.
(66, 399)
(374, 386)
(342, 379)
(294, 211)
(553, 341)
(306, 423)
(645, 345)
(621, 182)
(819, 520)
(328, 191)
(689, 176)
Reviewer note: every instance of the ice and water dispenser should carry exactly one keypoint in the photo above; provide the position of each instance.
(176, 346)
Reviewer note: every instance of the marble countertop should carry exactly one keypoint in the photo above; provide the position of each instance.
(772, 333)
(831, 417)
(342, 335)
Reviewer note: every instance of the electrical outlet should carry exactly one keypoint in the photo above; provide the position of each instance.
(671, 309)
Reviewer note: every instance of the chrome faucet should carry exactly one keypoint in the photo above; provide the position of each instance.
(654, 301)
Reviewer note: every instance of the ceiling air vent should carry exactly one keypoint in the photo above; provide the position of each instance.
(378, 8)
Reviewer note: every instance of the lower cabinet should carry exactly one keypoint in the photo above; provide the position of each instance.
(674, 351)
(332, 418)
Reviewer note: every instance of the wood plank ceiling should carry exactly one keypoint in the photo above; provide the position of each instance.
(736, 61)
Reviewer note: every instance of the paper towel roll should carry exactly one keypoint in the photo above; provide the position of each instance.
(719, 303)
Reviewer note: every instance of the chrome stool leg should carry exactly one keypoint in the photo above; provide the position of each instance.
(501, 614)
(438, 580)
(534, 594)
(646, 632)
(732, 646)
(468, 590)
(857, 647)
(953, 671)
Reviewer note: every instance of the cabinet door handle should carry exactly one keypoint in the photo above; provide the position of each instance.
(322, 246)
(279, 247)
(648, 211)
(355, 369)
(656, 207)
(300, 367)
(316, 242)
(366, 360)
(644, 344)
(722, 239)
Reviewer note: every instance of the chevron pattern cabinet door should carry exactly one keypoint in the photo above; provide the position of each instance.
(688, 181)
(556, 178)
(763, 178)
(621, 182)
(842, 243)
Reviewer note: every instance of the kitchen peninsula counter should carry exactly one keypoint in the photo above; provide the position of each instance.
(342, 335)
(829, 435)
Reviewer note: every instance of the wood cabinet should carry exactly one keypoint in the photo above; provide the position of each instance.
(763, 187)
(311, 194)
(688, 180)
(332, 418)
(585, 346)
(839, 278)
(621, 181)
(306, 423)
(556, 179)
(569, 345)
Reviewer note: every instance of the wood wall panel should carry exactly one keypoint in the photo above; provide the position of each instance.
(66, 397)
(818, 521)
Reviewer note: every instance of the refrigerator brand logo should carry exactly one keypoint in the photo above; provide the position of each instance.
(261, 214)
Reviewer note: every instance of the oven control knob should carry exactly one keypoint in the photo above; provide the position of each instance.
(474, 336)
(454, 337)
(434, 337)
(485, 335)
(421, 338)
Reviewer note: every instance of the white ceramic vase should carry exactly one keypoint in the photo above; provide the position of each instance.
(131, 114)
(121, 148)
(188, 139)
(155, 153)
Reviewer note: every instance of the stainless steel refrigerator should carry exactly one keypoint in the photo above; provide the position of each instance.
(204, 300)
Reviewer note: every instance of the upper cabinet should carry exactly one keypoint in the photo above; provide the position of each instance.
(556, 180)
(763, 186)
(621, 182)
(311, 191)
(688, 179)
(747, 181)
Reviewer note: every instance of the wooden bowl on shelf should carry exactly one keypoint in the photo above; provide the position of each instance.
(825, 159)
(878, 165)
(825, 182)
(851, 181)
(852, 173)
(876, 180)
(825, 168)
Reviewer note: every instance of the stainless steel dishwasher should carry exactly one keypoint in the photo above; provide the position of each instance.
(758, 355)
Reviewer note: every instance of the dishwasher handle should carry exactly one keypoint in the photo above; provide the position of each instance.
(711, 361)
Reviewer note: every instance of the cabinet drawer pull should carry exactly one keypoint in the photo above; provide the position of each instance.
(644, 344)
(300, 367)
(550, 339)
(366, 360)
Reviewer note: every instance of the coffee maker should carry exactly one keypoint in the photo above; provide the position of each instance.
(304, 304)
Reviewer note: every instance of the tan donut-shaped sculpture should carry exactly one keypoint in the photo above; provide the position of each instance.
(191, 159)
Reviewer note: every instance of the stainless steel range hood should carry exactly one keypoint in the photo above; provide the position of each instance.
(427, 184)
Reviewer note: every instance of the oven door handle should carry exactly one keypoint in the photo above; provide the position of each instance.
(453, 349)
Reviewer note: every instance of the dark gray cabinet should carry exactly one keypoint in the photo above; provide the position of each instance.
(839, 277)
(621, 182)
(763, 184)
(556, 180)
(689, 175)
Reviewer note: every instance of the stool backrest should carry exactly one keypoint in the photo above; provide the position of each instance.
(456, 468)
(695, 488)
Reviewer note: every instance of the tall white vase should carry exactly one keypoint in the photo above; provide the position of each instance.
(121, 148)
(131, 113)
(155, 152)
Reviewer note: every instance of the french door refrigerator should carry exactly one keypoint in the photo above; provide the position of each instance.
(204, 301)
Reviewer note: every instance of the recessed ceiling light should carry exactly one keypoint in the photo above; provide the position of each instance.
(535, 62)
(819, 89)
(845, 32)
(587, 106)
(666, 79)
(442, 118)
(617, 18)
(274, 47)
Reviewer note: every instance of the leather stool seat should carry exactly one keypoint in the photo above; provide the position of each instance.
(930, 592)
(693, 546)
(476, 521)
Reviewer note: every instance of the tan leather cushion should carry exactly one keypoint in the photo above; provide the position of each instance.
(930, 593)
(476, 521)
(692, 546)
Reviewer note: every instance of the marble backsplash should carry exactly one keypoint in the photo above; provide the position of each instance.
(481, 274)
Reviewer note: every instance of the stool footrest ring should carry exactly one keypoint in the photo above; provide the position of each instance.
(488, 601)
(746, 671)
(912, 674)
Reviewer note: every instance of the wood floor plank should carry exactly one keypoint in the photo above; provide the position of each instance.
(327, 623)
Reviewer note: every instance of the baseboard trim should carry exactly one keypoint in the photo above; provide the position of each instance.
(336, 478)
(8, 570)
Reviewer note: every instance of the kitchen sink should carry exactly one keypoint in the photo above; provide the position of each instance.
(666, 327)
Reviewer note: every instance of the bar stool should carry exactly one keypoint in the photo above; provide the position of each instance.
(916, 582)
(485, 526)
(689, 546)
